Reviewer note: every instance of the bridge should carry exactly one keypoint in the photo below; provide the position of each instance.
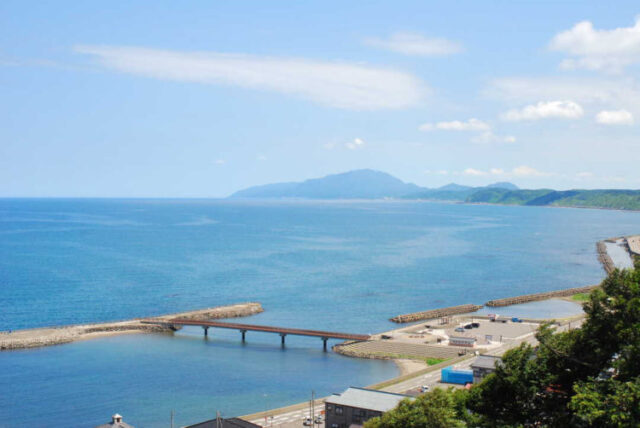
(243, 328)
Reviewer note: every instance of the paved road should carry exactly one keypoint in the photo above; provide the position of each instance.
(412, 386)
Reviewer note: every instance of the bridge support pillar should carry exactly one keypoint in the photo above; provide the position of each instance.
(206, 331)
(282, 336)
(244, 332)
(324, 344)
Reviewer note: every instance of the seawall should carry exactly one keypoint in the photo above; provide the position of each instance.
(47, 336)
(540, 296)
(604, 258)
(436, 313)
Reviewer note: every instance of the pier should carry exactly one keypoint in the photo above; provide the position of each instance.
(244, 328)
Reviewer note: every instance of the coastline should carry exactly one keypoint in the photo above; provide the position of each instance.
(48, 336)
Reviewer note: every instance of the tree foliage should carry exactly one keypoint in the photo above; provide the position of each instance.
(586, 377)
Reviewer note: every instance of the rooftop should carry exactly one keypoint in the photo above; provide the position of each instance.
(486, 362)
(369, 399)
(224, 423)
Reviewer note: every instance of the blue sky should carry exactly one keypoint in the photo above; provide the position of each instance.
(199, 99)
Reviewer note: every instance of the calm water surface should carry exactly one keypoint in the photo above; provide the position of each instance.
(345, 266)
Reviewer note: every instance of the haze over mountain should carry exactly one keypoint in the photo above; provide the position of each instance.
(358, 184)
(370, 184)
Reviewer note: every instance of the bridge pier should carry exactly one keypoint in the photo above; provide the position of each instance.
(206, 331)
(244, 332)
(282, 336)
(324, 343)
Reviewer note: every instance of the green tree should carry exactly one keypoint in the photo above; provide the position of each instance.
(577, 378)
(435, 409)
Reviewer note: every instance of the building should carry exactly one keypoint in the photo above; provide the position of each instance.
(357, 405)
(224, 423)
(466, 341)
(457, 376)
(116, 422)
(483, 366)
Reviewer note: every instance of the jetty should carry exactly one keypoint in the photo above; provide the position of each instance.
(47, 336)
(436, 313)
(540, 296)
(243, 328)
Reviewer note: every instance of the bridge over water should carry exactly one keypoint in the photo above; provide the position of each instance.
(243, 328)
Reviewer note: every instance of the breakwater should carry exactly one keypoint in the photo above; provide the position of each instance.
(436, 313)
(604, 258)
(540, 296)
(47, 336)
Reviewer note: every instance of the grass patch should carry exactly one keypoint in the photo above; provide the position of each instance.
(580, 297)
(430, 361)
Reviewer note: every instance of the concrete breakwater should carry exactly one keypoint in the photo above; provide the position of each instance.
(604, 258)
(436, 313)
(46, 336)
(540, 296)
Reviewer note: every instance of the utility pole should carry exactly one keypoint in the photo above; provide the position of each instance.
(171, 418)
(313, 408)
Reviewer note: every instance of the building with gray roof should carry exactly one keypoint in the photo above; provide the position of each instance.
(357, 405)
(483, 366)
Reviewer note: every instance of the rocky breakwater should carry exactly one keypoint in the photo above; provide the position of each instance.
(436, 313)
(33, 338)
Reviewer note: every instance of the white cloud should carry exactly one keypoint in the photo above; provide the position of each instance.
(584, 174)
(357, 143)
(456, 125)
(220, 161)
(261, 158)
(415, 45)
(596, 93)
(614, 117)
(527, 171)
(334, 84)
(545, 110)
(520, 171)
(490, 137)
(485, 135)
(474, 172)
(608, 50)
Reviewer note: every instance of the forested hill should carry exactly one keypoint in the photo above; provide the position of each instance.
(370, 184)
(611, 199)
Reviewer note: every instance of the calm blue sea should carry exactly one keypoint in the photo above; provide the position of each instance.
(345, 266)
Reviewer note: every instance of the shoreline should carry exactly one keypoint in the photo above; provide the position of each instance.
(49, 336)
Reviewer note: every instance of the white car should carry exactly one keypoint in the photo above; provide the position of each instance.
(307, 422)
(424, 388)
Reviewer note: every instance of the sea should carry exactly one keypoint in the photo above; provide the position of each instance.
(343, 266)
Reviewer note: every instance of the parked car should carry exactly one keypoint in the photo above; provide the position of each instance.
(459, 329)
(319, 419)
(475, 324)
(468, 326)
(307, 421)
(424, 388)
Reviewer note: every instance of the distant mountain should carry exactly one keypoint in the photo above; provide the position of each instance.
(456, 192)
(359, 184)
(370, 184)
(601, 198)
(453, 187)
(502, 185)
